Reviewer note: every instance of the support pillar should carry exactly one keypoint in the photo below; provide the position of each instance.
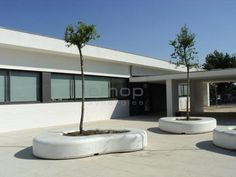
(172, 102)
(196, 97)
(206, 94)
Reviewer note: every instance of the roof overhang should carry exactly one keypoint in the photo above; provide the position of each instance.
(223, 75)
(37, 43)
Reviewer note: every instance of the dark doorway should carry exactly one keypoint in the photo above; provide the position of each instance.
(158, 98)
(151, 101)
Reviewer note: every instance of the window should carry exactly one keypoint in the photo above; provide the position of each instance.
(182, 90)
(78, 87)
(97, 87)
(68, 87)
(62, 87)
(120, 89)
(19, 86)
(2, 86)
(24, 86)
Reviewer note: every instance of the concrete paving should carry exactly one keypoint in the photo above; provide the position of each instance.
(221, 108)
(167, 155)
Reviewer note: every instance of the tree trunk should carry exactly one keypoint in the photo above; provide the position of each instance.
(82, 103)
(188, 83)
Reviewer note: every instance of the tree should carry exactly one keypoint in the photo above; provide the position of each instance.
(184, 53)
(79, 36)
(219, 60)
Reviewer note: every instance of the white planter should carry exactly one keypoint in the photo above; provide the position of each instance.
(172, 125)
(53, 145)
(225, 137)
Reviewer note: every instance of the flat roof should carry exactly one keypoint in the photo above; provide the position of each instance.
(27, 41)
(212, 75)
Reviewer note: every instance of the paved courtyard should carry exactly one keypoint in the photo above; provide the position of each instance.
(167, 155)
(221, 108)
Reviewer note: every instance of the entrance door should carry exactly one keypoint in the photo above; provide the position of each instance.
(151, 101)
(139, 99)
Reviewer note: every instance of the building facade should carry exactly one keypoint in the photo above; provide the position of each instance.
(40, 82)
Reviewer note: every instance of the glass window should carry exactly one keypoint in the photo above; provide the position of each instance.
(95, 87)
(2, 86)
(69, 87)
(182, 90)
(78, 88)
(24, 86)
(62, 86)
(119, 88)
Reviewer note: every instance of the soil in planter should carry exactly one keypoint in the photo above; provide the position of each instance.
(94, 132)
(191, 119)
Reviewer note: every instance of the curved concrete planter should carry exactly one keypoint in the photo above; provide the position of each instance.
(225, 137)
(170, 124)
(53, 145)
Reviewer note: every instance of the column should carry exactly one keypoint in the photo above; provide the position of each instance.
(172, 103)
(206, 94)
(196, 96)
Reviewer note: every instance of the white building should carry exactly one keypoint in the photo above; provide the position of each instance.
(40, 83)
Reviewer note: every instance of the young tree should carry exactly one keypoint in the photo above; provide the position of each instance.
(184, 53)
(79, 36)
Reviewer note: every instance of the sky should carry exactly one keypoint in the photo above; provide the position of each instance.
(142, 27)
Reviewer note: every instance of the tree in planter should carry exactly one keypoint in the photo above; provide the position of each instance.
(184, 53)
(79, 36)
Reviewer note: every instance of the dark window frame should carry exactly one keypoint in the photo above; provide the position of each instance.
(182, 90)
(45, 88)
(91, 99)
(64, 99)
(8, 86)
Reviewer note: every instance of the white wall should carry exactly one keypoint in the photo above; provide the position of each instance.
(25, 116)
(26, 60)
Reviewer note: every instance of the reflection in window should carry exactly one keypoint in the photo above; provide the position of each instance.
(24, 86)
(119, 88)
(2, 86)
(62, 87)
(182, 90)
(95, 87)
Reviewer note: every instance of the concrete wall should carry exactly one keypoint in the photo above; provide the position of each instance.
(25, 116)
(27, 60)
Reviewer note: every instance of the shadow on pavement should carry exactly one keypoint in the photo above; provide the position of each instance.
(139, 118)
(26, 154)
(159, 131)
(209, 146)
